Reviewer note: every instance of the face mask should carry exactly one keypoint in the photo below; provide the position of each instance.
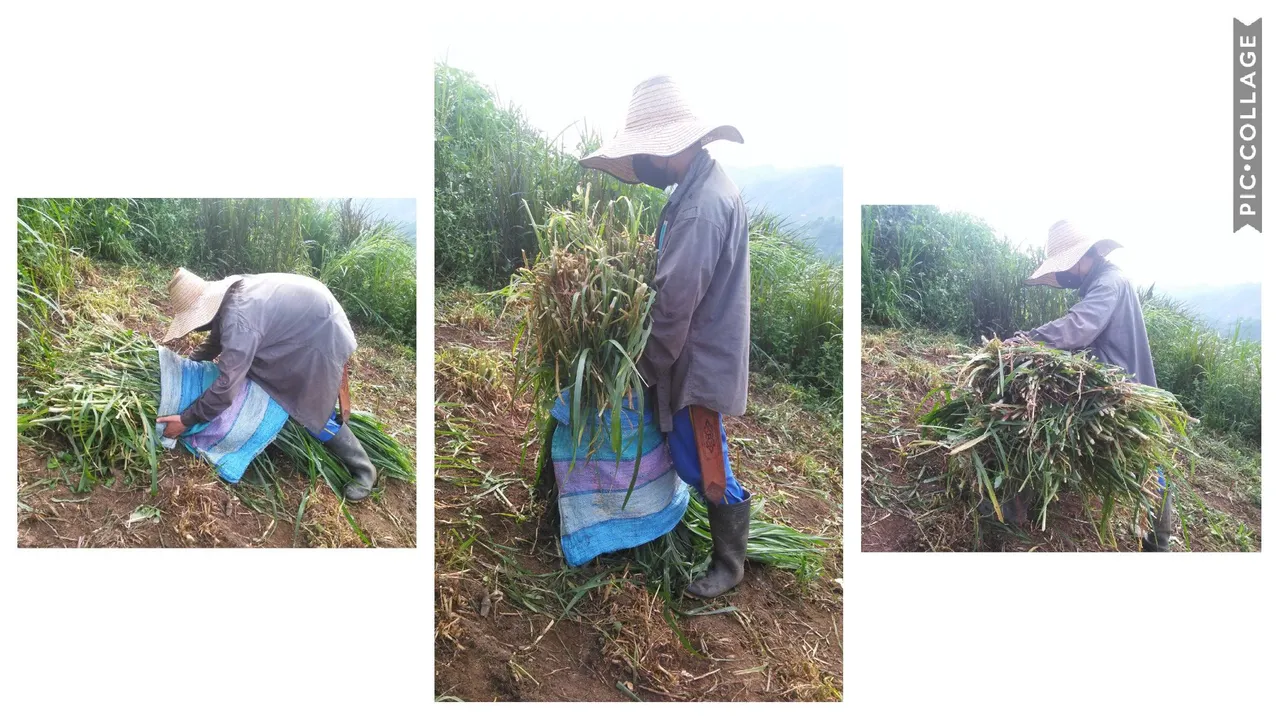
(1070, 281)
(650, 174)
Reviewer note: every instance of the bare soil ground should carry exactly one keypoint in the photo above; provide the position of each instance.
(514, 623)
(907, 506)
(193, 507)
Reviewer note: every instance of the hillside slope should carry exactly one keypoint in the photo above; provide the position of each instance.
(514, 623)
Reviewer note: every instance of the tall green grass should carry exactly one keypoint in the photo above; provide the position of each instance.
(950, 272)
(489, 163)
(46, 273)
(797, 308)
(367, 262)
(375, 278)
(1218, 379)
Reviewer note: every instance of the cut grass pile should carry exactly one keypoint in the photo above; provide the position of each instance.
(586, 302)
(103, 404)
(1024, 416)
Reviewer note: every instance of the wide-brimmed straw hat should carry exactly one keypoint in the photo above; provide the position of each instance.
(195, 301)
(659, 122)
(1066, 245)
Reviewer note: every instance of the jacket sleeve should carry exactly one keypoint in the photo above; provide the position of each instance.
(685, 268)
(1085, 321)
(212, 345)
(239, 345)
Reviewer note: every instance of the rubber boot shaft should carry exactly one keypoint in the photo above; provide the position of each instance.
(730, 526)
(1158, 539)
(347, 448)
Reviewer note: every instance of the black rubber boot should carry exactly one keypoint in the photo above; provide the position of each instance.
(1015, 510)
(730, 525)
(1157, 540)
(347, 448)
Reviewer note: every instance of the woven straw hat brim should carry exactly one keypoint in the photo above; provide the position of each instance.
(663, 141)
(195, 302)
(1066, 259)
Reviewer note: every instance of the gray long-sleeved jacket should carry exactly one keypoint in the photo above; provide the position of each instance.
(697, 353)
(1108, 321)
(286, 332)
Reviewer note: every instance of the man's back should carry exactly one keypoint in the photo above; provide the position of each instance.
(287, 308)
(699, 347)
(1108, 321)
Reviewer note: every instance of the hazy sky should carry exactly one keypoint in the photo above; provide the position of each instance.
(1162, 244)
(785, 93)
(1027, 124)
(403, 210)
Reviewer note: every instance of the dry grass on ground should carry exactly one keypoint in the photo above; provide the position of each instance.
(514, 623)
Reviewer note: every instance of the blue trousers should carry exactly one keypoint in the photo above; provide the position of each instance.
(331, 428)
(684, 453)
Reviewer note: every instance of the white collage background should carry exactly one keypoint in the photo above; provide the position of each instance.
(943, 103)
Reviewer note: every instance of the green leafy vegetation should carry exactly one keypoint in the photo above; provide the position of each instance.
(367, 262)
(490, 163)
(1217, 377)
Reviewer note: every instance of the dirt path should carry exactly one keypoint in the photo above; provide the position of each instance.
(193, 507)
(513, 623)
(906, 505)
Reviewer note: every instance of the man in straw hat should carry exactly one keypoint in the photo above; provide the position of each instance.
(696, 356)
(289, 335)
(1107, 321)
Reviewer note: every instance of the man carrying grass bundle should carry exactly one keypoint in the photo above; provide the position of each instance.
(286, 333)
(696, 357)
(1107, 321)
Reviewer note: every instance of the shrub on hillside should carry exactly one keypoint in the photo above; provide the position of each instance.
(489, 162)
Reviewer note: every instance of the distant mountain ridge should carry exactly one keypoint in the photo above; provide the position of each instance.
(1223, 306)
(812, 198)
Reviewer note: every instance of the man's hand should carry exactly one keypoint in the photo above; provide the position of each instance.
(173, 426)
(1019, 338)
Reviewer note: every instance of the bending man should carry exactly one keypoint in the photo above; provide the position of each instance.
(1107, 321)
(289, 335)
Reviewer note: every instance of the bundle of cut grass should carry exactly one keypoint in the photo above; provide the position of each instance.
(1026, 416)
(586, 302)
(104, 406)
(309, 454)
(102, 403)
